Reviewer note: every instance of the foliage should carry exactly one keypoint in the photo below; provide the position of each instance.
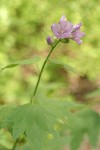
(89, 124)
(52, 118)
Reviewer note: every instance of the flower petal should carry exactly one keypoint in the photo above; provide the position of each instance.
(63, 18)
(77, 26)
(62, 29)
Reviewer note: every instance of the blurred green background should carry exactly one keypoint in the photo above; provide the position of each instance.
(24, 26)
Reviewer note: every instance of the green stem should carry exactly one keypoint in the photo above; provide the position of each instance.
(15, 144)
(37, 84)
(38, 81)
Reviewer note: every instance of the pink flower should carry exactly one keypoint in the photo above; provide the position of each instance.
(76, 34)
(77, 26)
(63, 29)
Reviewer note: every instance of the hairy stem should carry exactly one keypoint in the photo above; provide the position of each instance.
(38, 81)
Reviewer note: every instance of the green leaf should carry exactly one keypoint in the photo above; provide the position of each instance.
(24, 147)
(77, 138)
(4, 112)
(87, 123)
(59, 143)
(22, 62)
(34, 121)
(66, 66)
(60, 107)
(92, 125)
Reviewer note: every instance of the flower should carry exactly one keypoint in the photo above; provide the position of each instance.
(76, 34)
(63, 29)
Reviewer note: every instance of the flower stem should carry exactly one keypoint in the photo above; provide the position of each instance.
(15, 144)
(38, 81)
(37, 84)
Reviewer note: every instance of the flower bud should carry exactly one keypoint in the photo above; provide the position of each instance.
(49, 40)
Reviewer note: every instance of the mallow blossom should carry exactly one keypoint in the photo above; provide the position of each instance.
(63, 29)
(76, 34)
(66, 30)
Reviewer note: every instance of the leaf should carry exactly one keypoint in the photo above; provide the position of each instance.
(77, 138)
(24, 147)
(4, 112)
(66, 66)
(59, 143)
(88, 123)
(93, 125)
(61, 107)
(22, 62)
(33, 121)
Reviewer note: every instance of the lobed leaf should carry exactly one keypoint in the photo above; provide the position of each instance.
(89, 123)
(59, 143)
(48, 116)
(34, 121)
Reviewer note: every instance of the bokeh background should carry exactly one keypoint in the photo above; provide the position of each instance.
(24, 26)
